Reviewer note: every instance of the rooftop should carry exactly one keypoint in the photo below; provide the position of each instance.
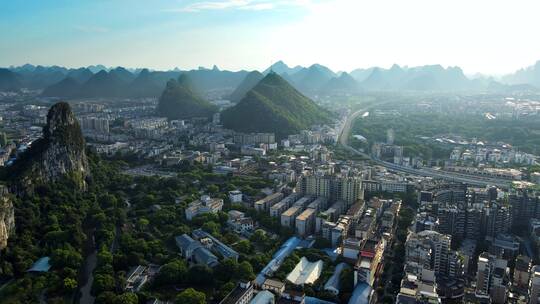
(41, 265)
(237, 293)
(291, 211)
(306, 214)
(274, 283)
(305, 272)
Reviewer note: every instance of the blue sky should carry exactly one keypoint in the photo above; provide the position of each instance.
(480, 36)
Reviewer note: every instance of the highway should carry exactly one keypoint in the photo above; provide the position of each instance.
(427, 172)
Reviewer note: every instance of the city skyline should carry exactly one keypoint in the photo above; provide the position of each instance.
(252, 34)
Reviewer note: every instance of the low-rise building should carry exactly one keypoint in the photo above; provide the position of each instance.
(241, 294)
(216, 245)
(194, 251)
(235, 196)
(277, 209)
(288, 217)
(305, 222)
(274, 286)
(204, 205)
(265, 203)
(369, 261)
(351, 249)
(136, 279)
(415, 290)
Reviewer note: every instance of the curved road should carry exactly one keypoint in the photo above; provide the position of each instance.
(472, 180)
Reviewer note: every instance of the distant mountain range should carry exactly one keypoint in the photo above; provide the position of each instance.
(343, 83)
(529, 75)
(101, 81)
(424, 78)
(273, 105)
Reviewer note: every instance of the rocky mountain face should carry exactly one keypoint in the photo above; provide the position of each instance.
(60, 152)
(7, 217)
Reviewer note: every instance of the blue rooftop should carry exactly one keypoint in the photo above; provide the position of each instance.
(361, 294)
(41, 265)
(278, 258)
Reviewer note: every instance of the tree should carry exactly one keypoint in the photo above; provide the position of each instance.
(172, 273)
(106, 297)
(70, 284)
(259, 236)
(244, 246)
(211, 227)
(226, 270)
(201, 275)
(143, 223)
(62, 258)
(126, 298)
(191, 296)
(213, 189)
(245, 271)
(225, 290)
(104, 257)
(103, 282)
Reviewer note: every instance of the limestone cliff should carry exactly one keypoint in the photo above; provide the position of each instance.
(7, 217)
(60, 152)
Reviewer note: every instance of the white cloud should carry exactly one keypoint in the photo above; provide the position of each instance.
(256, 5)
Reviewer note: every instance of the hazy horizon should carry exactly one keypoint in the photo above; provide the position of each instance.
(487, 37)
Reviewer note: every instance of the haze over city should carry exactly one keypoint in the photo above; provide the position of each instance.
(269, 152)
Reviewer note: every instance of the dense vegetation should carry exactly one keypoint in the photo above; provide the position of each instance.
(179, 101)
(57, 223)
(409, 128)
(120, 213)
(273, 105)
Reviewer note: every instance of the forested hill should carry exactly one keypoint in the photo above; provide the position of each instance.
(273, 105)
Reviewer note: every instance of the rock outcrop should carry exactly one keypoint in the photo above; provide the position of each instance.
(7, 217)
(60, 152)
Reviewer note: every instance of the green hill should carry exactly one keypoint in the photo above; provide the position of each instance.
(8, 80)
(179, 101)
(144, 85)
(66, 88)
(273, 105)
